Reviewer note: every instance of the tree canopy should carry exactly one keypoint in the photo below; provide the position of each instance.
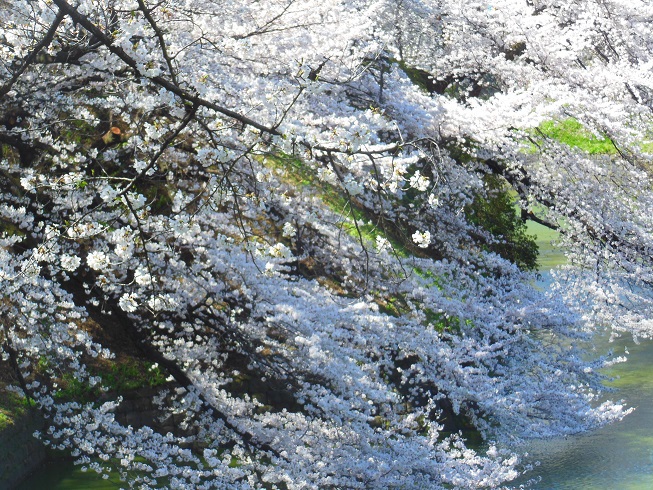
(319, 198)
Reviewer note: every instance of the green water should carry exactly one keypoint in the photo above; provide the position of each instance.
(549, 256)
(616, 457)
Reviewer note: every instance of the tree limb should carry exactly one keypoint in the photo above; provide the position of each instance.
(47, 39)
(187, 96)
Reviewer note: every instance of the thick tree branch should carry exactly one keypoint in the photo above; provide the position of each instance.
(187, 96)
(140, 339)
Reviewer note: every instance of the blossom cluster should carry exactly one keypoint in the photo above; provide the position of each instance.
(286, 205)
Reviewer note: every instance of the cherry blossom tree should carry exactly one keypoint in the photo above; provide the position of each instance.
(287, 193)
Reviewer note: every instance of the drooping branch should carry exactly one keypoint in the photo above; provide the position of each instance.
(144, 345)
(522, 183)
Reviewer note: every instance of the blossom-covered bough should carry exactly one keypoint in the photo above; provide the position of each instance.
(288, 192)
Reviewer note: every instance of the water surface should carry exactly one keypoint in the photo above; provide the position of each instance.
(619, 456)
(616, 457)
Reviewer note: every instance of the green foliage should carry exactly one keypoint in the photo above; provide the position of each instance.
(293, 168)
(12, 406)
(119, 377)
(132, 375)
(9, 229)
(64, 475)
(441, 322)
(421, 78)
(397, 305)
(157, 195)
(73, 389)
(297, 173)
(496, 214)
(573, 133)
(77, 131)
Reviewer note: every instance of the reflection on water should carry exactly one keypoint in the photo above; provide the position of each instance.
(616, 457)
(619, 456)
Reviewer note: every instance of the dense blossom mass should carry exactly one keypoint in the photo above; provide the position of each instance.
(319, 197)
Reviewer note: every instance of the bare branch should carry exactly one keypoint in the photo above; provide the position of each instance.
(47, 39)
